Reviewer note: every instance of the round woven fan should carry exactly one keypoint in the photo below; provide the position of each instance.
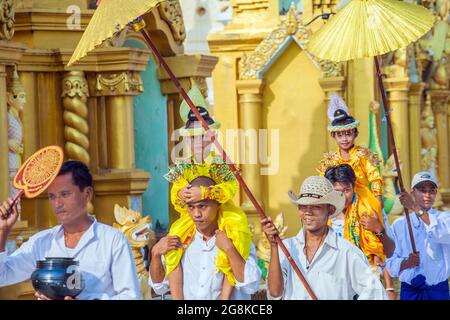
(36, 174)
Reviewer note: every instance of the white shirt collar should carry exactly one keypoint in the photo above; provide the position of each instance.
(331, 238)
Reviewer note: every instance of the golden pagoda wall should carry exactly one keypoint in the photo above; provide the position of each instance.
(300, 118)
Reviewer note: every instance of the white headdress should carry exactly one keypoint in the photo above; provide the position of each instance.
(337, 109)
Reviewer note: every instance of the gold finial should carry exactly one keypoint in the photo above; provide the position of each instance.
(291, 19)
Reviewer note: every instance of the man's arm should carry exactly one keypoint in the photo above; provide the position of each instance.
(123, 271)
(236, 261)
(438, 226)
(275, 281)
(373, 224)
(157, 271)
(21, 263)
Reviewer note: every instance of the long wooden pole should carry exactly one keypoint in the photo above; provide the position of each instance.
(394, 148)
(226, 158)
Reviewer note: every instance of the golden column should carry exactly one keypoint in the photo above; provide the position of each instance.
(76, 128)
(119, 90)
(439, 104)
(415, 106)
(397, 90)
(332, 85)
(250, 100)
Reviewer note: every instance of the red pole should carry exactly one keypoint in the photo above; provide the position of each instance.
(226, 158)
(394, 148)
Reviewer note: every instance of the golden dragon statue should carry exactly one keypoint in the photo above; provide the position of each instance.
(137, 229)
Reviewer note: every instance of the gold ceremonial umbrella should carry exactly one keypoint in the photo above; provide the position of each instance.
(112, 16)
(369, 28)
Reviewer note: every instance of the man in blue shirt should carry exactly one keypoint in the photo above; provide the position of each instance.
(423, 274)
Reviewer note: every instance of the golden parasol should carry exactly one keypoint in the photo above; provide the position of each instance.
(112, 16)
(369, 28)
(36, 174)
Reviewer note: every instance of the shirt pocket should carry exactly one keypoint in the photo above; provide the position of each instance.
(331, 286)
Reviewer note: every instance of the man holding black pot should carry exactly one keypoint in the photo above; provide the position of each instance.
(103, 252)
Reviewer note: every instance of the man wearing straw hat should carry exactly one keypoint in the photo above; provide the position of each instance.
(424, 274)
(333, 267)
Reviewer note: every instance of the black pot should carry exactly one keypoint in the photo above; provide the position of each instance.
(57, 278)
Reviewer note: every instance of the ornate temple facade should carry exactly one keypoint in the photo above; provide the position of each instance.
(116, 110)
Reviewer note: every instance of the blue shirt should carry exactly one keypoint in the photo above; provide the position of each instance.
(433, 243)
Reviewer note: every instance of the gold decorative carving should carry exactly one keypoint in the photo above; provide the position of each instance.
(331, 69)
(6, 19)
(137, 230)
(429, 141)
(291, 26)
(439, 101)
(125, 83)
(170, 11)
(201, 84)
(324, 6)
(76, 128)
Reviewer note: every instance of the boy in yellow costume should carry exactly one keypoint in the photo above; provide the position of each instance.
(186, 196)
(368, 184)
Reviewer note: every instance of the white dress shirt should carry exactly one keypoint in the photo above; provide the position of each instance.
(104, 256)
(202, 280)
(339, 271)
(433, 243)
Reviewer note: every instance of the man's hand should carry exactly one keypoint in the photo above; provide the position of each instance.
(222, 241)
(412, 261)
(166, 244)
(378, 261)
(191, 194)
(371, 223)
(270, 230)
(407, 200)
(40, 296)
(8, 216)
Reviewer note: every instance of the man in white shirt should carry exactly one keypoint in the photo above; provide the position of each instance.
(423, 274)
(200, 279)
(334, 268)
(104, 255)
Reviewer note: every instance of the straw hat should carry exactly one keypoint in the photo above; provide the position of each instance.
(318, 190)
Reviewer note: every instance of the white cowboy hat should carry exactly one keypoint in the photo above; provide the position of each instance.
(318, 190)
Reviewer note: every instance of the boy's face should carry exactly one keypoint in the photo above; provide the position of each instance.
(424, 194)
(345, 139)
(347, 189)
(204, 213)
(200, 144)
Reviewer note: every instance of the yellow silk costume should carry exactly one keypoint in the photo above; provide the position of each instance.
(365, 165)
(231, 219)
(366, 240)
